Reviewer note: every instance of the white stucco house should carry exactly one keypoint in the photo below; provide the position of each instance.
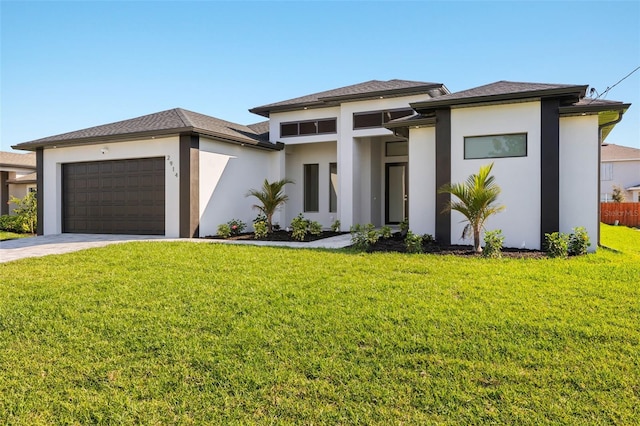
(17, 178)
(620, 167)
(374, 152)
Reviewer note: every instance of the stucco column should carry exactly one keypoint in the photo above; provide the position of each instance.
(4, 193)
(346, 181)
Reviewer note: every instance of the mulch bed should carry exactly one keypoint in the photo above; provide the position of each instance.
(393, 244)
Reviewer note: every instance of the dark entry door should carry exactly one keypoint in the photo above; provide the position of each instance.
(397, 192)
(114, 197)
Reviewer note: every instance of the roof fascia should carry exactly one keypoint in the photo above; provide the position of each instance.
(420, 122)
(578, 109)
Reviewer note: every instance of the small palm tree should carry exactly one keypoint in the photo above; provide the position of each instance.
(270, 197)
(476, 201)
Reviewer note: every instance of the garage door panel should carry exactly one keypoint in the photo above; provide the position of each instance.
(120, 196)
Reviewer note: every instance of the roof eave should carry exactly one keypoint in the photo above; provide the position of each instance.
(578, 109)
(422, 122)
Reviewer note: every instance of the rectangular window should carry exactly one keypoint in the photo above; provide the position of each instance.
(309, 127)
(495, 146)
(333, 187)
(396, 149)
(311, 184)
(373, 119)
(606, 171)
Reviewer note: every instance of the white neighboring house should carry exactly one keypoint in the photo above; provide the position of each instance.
(374, 152)
(620, 166)
(17, 178)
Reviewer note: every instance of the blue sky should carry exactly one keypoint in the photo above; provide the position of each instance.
(71, 65)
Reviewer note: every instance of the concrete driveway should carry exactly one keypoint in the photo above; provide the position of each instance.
(62, 243)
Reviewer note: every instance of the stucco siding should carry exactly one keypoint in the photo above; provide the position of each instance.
(579, 198)
(518, 177)
(160, 147)
(422, 180)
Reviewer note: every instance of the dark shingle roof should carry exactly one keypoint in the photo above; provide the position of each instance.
(500, 91)
(366, 90)
(612, 152)
(16, 160)
(261, 129)
(168, 122)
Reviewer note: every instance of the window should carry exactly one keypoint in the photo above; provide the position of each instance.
(606, 171)
(495, 146)
(333, 187)
(368, 120)
(396, 149)
(310, 127)
(311, 188)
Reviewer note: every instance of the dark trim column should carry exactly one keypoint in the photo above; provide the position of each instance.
(4, 193)
(549, 167)
(443, 174)
(189, 185)
(40, 190)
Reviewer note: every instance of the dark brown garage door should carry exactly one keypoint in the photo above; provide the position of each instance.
(114, 197)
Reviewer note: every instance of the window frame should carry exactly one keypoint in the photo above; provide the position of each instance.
(383, 117)
(468, 138)
(316, 122)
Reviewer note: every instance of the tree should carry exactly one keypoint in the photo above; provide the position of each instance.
(476, 201)
(27, 210)
(618, 194)
(271, 198)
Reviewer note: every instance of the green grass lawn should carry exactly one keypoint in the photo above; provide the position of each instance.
(6, 235)
(185, 333)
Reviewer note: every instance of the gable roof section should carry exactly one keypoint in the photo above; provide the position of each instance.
(17, 162)
(501, 91)
(164, 123)
(368, 90)
(613, 152)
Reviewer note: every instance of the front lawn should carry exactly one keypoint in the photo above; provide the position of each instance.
(6, 235)
(193, 333)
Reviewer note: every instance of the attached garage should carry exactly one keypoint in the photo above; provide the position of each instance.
(114, 197)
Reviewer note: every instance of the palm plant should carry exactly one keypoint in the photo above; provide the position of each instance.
(271, 198)
(476, 201)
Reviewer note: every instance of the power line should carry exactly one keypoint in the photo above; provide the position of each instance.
(609, 88)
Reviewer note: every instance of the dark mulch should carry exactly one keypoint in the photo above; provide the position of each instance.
(396, 244)
(280, 235)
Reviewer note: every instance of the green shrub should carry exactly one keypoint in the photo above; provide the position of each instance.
(224, 230)
(385, 232)
(579, 241)
(413, 242)
(335, 226)
(493, 244)
(236, 226)
(260, 229)
(404, 225)
(557, 244)
(428, 239)
(26, 210)
(13, 224)
(315, 228)
(364, 236)
(299, 227)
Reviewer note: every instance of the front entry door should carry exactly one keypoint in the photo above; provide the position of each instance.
(397, 192)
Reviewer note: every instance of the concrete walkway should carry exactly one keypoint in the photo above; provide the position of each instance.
(64, 243)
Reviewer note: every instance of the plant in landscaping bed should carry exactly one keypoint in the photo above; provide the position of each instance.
(299, 227)
(493, 244)
(385, 232)
(413, 242)
(579, 241)
(335, 226)
(557, 244)
(26, 209)
(364, 236)
(476, 201)
(12, 224)
(224, 230)
(271, 197)
(236, 226)
(260, 229)
(404, 225)
(315, 228)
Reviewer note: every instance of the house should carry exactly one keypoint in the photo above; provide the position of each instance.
(17, 178)
(374, 152)
(620, 166)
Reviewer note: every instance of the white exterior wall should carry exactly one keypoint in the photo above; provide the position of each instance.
(296, 156)
(53, 159)
(18, 190)
(518, 177)
(422, 180)
(227, 172)
(579, 198)
(625, 173)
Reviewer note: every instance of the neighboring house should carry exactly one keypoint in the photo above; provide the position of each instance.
(620, 166)
(17, 177)
(374, 152)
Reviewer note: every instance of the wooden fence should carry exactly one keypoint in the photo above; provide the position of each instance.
(627, 214)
